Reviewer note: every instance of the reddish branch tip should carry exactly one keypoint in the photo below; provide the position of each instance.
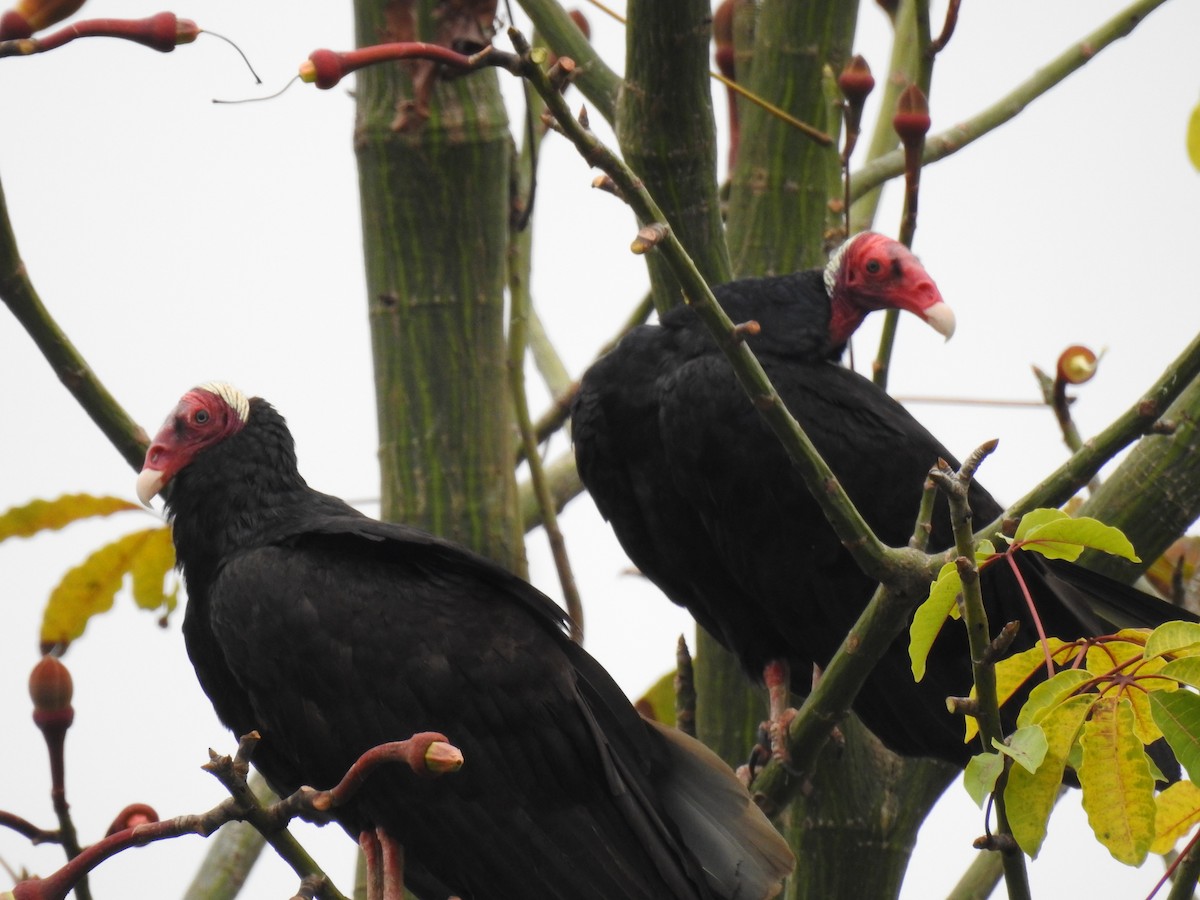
(132, 816)
(912, 116)
(322, 68)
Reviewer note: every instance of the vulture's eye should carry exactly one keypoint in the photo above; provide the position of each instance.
(874, 266)
(201, 416)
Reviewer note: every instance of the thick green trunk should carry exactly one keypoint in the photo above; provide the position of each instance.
(854, 829)
(783, 181)
(665, 126)
(1154, 495)
(435, 200)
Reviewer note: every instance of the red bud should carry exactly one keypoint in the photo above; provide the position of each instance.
(912, 115)
(322, 68)
(581, 23)
(133, 815)
(50, 686)
(1077, 364)
(856, 81)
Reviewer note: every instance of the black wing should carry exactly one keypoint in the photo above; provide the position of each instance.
(774, 540)
(624, 465)
(376, 637)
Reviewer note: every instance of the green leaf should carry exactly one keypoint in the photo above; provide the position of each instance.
(1066, 538)
(931, 615)
(1049, 694)
(1118, 790)
(1178, 638)
(980, 776)
(1036, 518)
(89, 588)
(1186, 669)
(1193, 138)
(1026, 746)
(1177, 714)
(1030, 796)
(1178, 809)
(51, 515)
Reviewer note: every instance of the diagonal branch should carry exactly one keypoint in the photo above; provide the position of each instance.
(869, 552)
(954, 139)
(19, 295)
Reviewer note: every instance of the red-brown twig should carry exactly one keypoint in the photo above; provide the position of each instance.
(325, 68)
(162, 32)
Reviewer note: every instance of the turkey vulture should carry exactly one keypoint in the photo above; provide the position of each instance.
(330, 632)
(708, 505)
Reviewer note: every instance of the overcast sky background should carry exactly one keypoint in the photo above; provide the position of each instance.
(178, 242)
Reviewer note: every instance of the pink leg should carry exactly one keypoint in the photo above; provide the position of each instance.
(372, 851)
(777, 676)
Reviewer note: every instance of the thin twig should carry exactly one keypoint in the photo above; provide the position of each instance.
(519, 309)
(955, 486)
(946, 143)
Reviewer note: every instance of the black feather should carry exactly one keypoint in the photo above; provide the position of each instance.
(707, 504)
(330, 633)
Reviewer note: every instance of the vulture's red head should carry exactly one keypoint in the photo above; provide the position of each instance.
(871, 271)
(204, 416)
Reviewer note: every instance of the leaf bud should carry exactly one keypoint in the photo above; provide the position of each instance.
(856, 81)
(322, 68)
(911, 120)
(50, 685)
(1077, 364)
(442, 758)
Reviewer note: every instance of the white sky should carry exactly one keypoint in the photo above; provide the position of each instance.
(178, 242)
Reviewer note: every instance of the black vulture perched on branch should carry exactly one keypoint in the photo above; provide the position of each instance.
(708, 505)
(330, 633)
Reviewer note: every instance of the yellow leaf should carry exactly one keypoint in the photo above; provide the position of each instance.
(1014, 671)
(1175, 567)
(51, 515)
(1118, 789)
(1193, 138)
(89, 588)
(660, 698)
(1049, 694)
(149, 570)
(1107, 658)
(1029, 797)
(1178, 809)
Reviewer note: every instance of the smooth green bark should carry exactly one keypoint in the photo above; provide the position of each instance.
(435, 200)
(667, 133)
